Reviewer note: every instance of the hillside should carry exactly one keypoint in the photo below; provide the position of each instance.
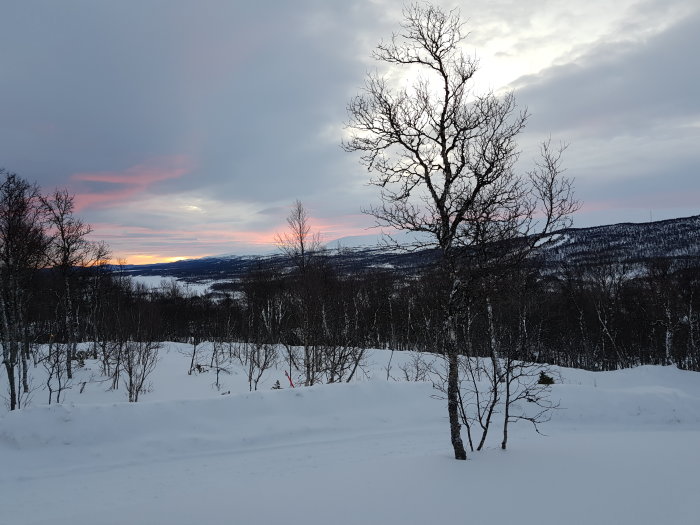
(630, 243)
(627, 243)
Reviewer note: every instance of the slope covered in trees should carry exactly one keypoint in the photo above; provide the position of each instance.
(676, 240)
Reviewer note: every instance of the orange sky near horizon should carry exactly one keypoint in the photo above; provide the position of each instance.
(211, 242)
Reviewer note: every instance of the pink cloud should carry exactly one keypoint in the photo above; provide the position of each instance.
(132, 181)
(136, 245)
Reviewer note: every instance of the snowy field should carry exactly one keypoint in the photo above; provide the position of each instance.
(623, 449)
(158, 281)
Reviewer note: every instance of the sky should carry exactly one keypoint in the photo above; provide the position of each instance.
(188, 128)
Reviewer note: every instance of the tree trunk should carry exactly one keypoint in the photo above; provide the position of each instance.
(68, 319)
(25, 373)
(668, 339)
(453, 371)
(506, 407)
(493, 344)
(10, 367)
(9, 354)
(453, 403)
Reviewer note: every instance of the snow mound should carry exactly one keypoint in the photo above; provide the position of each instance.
(230, 422)
(651, 397)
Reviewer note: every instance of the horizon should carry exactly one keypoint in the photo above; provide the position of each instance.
(351, 242)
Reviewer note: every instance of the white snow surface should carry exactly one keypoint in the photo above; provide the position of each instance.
(160, 281)
(623, 449)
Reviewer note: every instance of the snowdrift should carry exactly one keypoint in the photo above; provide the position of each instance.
(229, 422)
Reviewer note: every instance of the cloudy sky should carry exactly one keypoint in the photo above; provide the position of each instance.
(187, 128)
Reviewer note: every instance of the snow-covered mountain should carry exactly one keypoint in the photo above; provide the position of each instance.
(625, 243)
(676, 239)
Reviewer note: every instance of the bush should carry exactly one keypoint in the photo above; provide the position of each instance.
(545, 379)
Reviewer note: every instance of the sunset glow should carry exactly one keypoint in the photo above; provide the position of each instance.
(147, 259)
(130, 183)
(140, 245)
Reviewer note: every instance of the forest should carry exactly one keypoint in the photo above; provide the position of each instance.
(59, 290)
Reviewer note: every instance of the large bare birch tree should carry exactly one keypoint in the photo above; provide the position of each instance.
(444, 159)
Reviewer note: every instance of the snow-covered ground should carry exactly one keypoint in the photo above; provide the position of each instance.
(623, 449)
(188, 288)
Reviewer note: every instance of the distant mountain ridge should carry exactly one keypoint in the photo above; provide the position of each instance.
(629, 243)
(624, 243)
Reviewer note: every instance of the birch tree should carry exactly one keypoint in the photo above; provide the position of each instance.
(69, 248)
(22, 252)
(443, 158)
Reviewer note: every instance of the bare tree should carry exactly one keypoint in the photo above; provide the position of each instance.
(139, 361)
(444, 158)
(138, 342)
(52, 358)
(526, 394)
(69, 248)
(22, 253)
(418, 368)
(479, 398)
(261, 357)
(220, 360)
(195, 339)
(98, 282)
(298, 242)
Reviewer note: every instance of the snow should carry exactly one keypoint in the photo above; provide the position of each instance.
(160, 281)
(621, 450)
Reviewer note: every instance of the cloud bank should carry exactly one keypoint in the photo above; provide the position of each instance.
(188, 128)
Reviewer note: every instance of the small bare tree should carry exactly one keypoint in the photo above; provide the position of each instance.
(300, 245)
(195, 340)
(298, 242)
(261, 357)
(479, 398)
(53, 360)
(220, 360)
(527, 394)
(139, 361)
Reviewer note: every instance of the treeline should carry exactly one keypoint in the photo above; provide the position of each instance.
(598, 318)
(595, 317)
(58, 290)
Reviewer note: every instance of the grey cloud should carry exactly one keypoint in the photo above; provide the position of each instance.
(624, 87)
(245, 90)
(631, 113)
(249, 91)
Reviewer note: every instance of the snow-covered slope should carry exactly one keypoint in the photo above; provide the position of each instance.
(621, 450)
(630, 244)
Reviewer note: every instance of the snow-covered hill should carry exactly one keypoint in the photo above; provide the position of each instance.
(621, 450)
(677, 240)
(629, 243)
